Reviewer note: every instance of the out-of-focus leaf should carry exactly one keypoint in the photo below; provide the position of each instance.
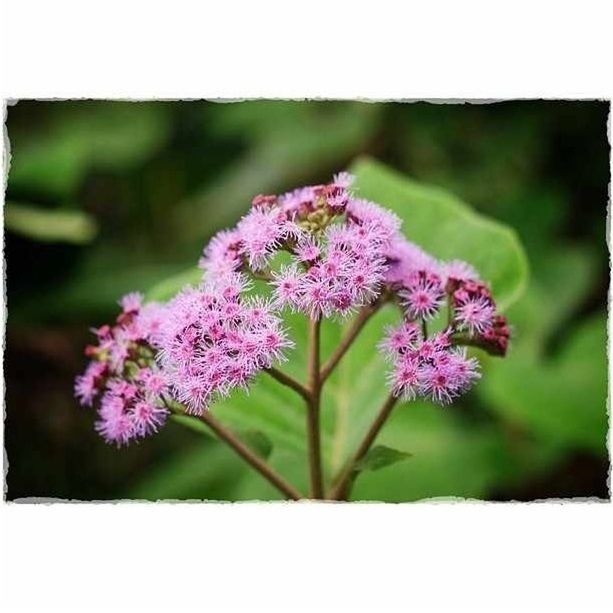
(447, 459)
(381, 456)
(561, 400)
(448, 228)
(49, 225)
(559, 284)
(285, 147)
(206, 470)
(94, 287)
(83, 135)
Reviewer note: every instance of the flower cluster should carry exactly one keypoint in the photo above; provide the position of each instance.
(123, 372)
(214, 340)
(321, 251)
(427, 367)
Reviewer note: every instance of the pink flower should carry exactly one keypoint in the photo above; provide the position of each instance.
(344, 179)
(366, 213)
(405, 379)
(423, 295)
(147, 417)
(131, 303)
(261, 232)
(221, 255)
(88, 384)
(307, 250)
(204, 352)
(474, 315)
(288, 287)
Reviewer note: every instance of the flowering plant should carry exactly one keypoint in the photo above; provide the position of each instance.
(320, 251)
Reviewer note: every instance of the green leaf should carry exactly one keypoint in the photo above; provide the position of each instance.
(206, 470)
(560, 399)
(50, 225)
(448, 228)
(380, 457)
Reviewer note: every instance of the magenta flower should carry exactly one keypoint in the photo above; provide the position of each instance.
(422, 295)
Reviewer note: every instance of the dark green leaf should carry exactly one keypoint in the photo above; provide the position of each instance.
(380, 457)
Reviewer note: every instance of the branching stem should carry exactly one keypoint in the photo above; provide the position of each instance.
(313, 410)
(252, 458)
(362, 317)
(341, 485)
(285, 379)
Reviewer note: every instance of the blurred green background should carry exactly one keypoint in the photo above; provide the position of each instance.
(107, 197)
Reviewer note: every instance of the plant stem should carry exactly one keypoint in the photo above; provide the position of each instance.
(253, 459)
(313, 409)
(424, 329)
(289, 382)
(342, 483)
(363, 316)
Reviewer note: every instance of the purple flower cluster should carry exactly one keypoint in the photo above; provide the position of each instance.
(323, 252)
(336, 265)
(122, 371)
(214, 340)
(427, 367)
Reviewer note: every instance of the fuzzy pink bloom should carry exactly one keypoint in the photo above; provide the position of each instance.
(405, 378)
(474, 315)
(147, 417)
(344, 179)
(423, 295)
(114, 425)
(132, 302)
(261, 232)
(307, 250)
(399, 339)
(88, 384)
(205, 352)
(447, 379)
(221, 255)
(288, 287)
(366, 213)
(336, 197)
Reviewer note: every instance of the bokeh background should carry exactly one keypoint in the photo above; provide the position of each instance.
(107, 197)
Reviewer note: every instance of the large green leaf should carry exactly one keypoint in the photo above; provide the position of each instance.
(561, 399)
(355, 391)
(557, 396)
(448, 228)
